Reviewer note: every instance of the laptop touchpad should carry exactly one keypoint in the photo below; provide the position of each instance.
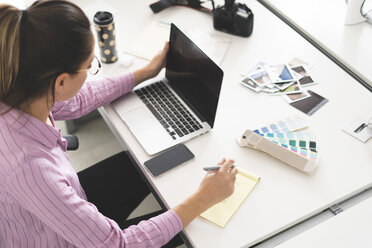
(139, 119)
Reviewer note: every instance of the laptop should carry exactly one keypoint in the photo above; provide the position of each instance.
(179, 107)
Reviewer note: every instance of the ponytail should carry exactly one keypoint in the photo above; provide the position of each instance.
(37, 45)
(10, 22)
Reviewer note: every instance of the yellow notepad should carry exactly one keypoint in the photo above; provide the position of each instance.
(222, 212)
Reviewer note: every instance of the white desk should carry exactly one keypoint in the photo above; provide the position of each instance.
(284, 196)
(323, 21)
(351, 228)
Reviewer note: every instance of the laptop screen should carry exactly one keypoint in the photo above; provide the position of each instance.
(193, 75)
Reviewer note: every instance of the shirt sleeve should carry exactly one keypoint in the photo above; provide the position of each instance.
(46, 193)
(93, 95)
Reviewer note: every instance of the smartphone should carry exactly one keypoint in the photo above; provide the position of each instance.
(168, 160)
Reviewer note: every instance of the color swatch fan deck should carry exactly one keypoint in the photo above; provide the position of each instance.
(288, 140)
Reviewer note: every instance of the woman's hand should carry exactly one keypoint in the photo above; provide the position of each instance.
(218, 185)
(158, 62)
(153, 67)
(215, 187)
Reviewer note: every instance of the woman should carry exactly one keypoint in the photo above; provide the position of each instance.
(46, 53)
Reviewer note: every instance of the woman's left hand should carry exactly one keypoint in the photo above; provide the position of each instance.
(153, 67)
(158, 62)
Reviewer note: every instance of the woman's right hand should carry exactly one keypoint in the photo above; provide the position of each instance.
(215, 187)
(218, 185)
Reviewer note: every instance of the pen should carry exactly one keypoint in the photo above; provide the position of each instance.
(213, 168)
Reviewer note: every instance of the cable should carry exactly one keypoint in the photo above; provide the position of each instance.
(361, 8)
(367, 15)
(204, 9)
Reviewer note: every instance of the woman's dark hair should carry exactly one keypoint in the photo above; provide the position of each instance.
(36, 45)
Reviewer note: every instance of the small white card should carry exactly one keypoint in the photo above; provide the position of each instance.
(359, 129)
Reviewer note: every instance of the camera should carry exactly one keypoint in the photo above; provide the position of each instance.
(234, 18)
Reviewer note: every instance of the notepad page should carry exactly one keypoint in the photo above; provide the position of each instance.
(150, 41)
(222, 212)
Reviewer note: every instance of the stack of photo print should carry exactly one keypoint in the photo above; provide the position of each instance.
(288, 80)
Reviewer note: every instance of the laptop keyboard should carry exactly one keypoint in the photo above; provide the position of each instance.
(170, 112)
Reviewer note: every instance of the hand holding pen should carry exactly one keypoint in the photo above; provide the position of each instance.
(219, 184)
(216, 186)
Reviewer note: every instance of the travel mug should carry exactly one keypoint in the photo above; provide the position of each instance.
(104, 23)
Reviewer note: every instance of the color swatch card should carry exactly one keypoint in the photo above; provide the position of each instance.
(222, 212)
(298, 135)
(290, 124)
(304, 148)
(292, 134)
(288, 140)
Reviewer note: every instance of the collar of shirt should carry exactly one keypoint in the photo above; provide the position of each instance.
(33, 128)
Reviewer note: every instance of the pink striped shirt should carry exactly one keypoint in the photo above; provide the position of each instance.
(42, 203)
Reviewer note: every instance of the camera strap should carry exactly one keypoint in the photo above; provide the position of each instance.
(163, 4)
